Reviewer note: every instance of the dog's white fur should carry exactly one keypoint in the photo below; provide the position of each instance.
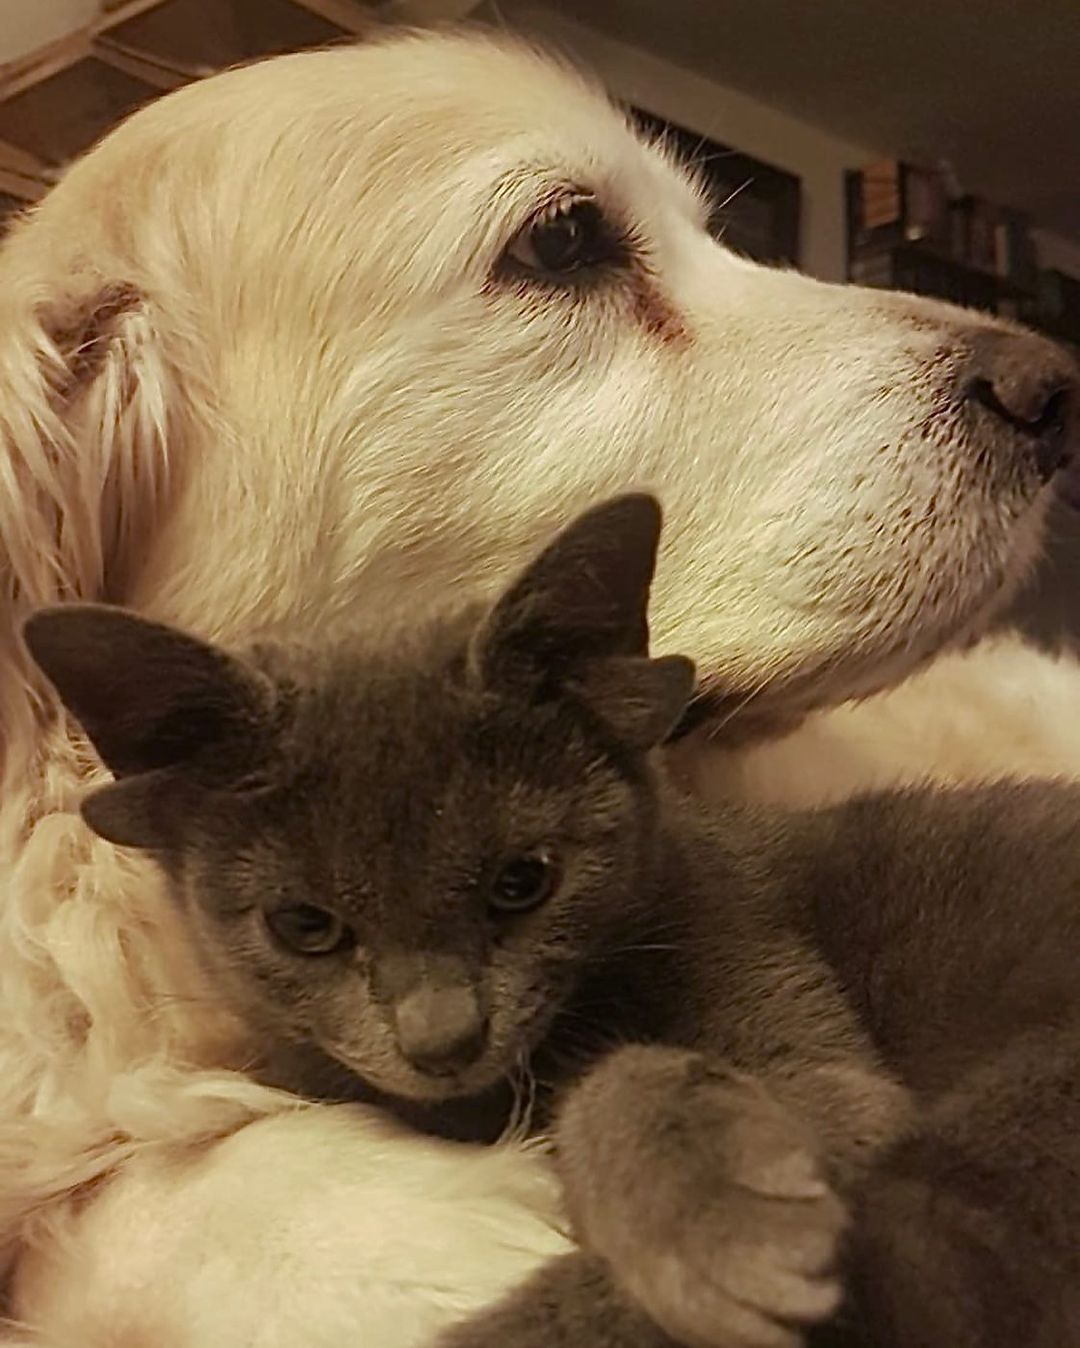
(258, 366)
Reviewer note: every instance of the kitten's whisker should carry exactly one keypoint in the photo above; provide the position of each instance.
(640, 949)
(523, 1086)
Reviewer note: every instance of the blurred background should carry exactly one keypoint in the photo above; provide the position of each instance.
(927, 145)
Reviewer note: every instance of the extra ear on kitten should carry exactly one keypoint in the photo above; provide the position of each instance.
(163, 707)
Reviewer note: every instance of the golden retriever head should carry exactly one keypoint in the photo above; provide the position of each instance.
(349, 329)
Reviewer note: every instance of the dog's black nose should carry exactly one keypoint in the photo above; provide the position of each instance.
(1031, 385)
(440, 1029)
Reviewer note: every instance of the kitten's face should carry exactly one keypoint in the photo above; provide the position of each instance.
(424, 882)
(406, 864)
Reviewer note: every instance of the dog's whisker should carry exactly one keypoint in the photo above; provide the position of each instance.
(718, 726)
(731, 196)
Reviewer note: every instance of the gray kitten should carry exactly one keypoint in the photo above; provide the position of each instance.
(776, 1046)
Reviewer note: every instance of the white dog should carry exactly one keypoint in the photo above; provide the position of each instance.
(362, 327)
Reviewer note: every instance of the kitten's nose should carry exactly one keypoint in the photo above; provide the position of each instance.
(440, 1029)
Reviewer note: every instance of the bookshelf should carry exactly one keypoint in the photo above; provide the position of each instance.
(908, 231)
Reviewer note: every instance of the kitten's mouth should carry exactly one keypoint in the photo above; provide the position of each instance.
(403, 1080)
(486, 1067)
(432, 1087)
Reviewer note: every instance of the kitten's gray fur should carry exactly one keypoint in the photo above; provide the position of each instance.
(866, 1015)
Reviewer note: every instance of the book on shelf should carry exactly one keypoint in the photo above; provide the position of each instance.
(896, 201)
(892, 203)
(873, 269)
(912, 229)
(1058, 296)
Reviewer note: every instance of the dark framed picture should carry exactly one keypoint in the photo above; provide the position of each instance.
(755, 206)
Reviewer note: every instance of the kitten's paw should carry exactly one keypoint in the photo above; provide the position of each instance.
(706, 1199)
(571, 1302)
(747, 1273)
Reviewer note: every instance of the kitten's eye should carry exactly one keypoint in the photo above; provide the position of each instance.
(308, 930)
(524, 882)
(569, 236)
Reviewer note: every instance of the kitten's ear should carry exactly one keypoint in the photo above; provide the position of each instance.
(641, 701)
(585, 597)
(577, 619)
(151, 699)
(148, 696)
(142, 811)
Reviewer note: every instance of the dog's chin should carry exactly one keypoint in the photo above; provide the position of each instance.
(771, 708)
(738, 717)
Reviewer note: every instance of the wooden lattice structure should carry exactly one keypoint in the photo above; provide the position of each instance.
(57, 102)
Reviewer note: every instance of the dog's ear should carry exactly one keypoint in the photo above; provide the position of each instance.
(83, 410)
(577, 621)
(158, 705)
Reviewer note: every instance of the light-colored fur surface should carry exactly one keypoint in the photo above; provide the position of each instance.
(258, 367)
(1002, 709)
(322, 1227)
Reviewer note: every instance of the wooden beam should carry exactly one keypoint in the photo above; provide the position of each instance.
(15, 76)
(354, 17)
(19, 185)
(425, 12)
(117, 14)
(140, 65)
(17, 160)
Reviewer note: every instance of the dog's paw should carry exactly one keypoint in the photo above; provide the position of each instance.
(708, 1201)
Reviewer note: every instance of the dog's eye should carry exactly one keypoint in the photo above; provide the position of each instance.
(568, 237)
(309, 930)
(523, 882)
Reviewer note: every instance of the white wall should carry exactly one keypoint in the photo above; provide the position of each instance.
(817, 158)
(726, 115)
(26, 25)
(1058, 252)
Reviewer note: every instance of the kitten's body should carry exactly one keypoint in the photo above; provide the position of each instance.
(414, 873)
